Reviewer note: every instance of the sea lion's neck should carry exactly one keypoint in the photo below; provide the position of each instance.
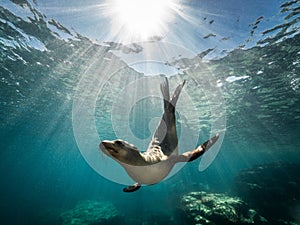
(135, 159)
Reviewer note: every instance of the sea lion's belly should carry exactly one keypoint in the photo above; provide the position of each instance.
(151, 174)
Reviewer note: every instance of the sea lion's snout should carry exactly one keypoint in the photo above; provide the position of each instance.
(107, 147)
(104, 144)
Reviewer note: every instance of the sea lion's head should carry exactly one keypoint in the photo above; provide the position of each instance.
(121, 151)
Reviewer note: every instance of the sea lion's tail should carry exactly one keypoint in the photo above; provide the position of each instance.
(169, 104)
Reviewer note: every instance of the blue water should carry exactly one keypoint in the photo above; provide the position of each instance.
(43, 169)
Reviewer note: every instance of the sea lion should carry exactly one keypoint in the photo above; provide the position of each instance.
(155, 164)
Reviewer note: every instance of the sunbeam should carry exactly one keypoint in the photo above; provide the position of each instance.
(140, 19)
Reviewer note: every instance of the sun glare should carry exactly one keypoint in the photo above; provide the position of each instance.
(140, 18)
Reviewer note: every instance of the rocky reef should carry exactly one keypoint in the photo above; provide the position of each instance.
(273, 189)
(91, 213)
(214, 209)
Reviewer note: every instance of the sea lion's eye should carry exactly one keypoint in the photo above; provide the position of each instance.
(117, 142)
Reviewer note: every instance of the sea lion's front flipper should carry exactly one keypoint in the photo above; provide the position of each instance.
(196, 153)
(132, 188)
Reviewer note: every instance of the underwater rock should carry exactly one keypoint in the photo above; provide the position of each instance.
(213, 209)
(91, 213)
(273, 189)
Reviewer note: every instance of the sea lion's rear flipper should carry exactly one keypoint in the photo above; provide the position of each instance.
(165, 135)
(170, 103)
(196, 153)
(177, 93)
(132, 188)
